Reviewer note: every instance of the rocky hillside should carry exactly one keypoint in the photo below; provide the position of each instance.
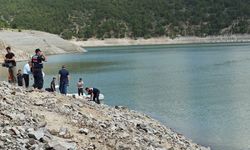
(100, 19)
(40, 120)
(24, 43)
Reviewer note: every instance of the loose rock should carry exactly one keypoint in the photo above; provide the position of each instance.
(55, 121)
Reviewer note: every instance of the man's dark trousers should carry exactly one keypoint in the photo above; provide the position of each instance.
(38, 78)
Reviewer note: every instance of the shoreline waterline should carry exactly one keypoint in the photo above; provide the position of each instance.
(112, 119)
(186, 60)
(181, 44)
(93, 42)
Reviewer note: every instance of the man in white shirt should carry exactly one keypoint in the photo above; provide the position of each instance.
(26, 73)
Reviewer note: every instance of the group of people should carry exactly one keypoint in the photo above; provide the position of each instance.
(35, 67)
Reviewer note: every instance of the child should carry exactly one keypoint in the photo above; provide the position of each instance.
(80, 87)
(20, 78)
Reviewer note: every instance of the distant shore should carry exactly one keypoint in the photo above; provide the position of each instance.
(25, 42)
(93, 42)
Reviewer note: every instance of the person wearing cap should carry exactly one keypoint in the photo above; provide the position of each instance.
(63, 80)
(10, 60)
(37, 66)
(26, 73)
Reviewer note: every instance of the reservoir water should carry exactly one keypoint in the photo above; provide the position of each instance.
(201, 91)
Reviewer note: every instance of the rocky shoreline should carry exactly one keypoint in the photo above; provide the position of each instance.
(45, 121)
(163, 41)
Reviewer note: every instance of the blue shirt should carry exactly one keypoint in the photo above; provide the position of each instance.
(63, 75)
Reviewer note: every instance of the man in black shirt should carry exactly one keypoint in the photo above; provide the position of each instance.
(37, 66)
(11, 64)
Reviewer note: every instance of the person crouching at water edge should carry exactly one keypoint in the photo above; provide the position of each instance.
(37, 67)
(63, 80)
(52, 86)
(94, 94)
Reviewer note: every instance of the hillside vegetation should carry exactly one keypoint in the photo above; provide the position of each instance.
(85, 19)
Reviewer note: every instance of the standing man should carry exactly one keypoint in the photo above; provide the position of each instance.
(94, 94)
(37, 66)
(26, 73)
(63, 80)
(11, 64)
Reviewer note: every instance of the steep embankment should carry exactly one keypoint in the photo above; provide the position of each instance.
(41, 120)
(24, 43)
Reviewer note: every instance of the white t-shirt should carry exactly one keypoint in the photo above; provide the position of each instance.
(26, 69)
(80, 84)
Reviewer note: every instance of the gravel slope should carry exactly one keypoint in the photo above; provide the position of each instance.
(41, 120)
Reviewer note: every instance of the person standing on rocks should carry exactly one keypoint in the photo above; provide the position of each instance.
(94, 94)
(80, 87)
(37, 66)
(26, 73)
(11, 65)
(63, 80)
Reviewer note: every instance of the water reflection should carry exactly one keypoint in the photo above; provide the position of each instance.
(76, 67)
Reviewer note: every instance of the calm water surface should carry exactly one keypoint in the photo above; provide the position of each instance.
(201, 91)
